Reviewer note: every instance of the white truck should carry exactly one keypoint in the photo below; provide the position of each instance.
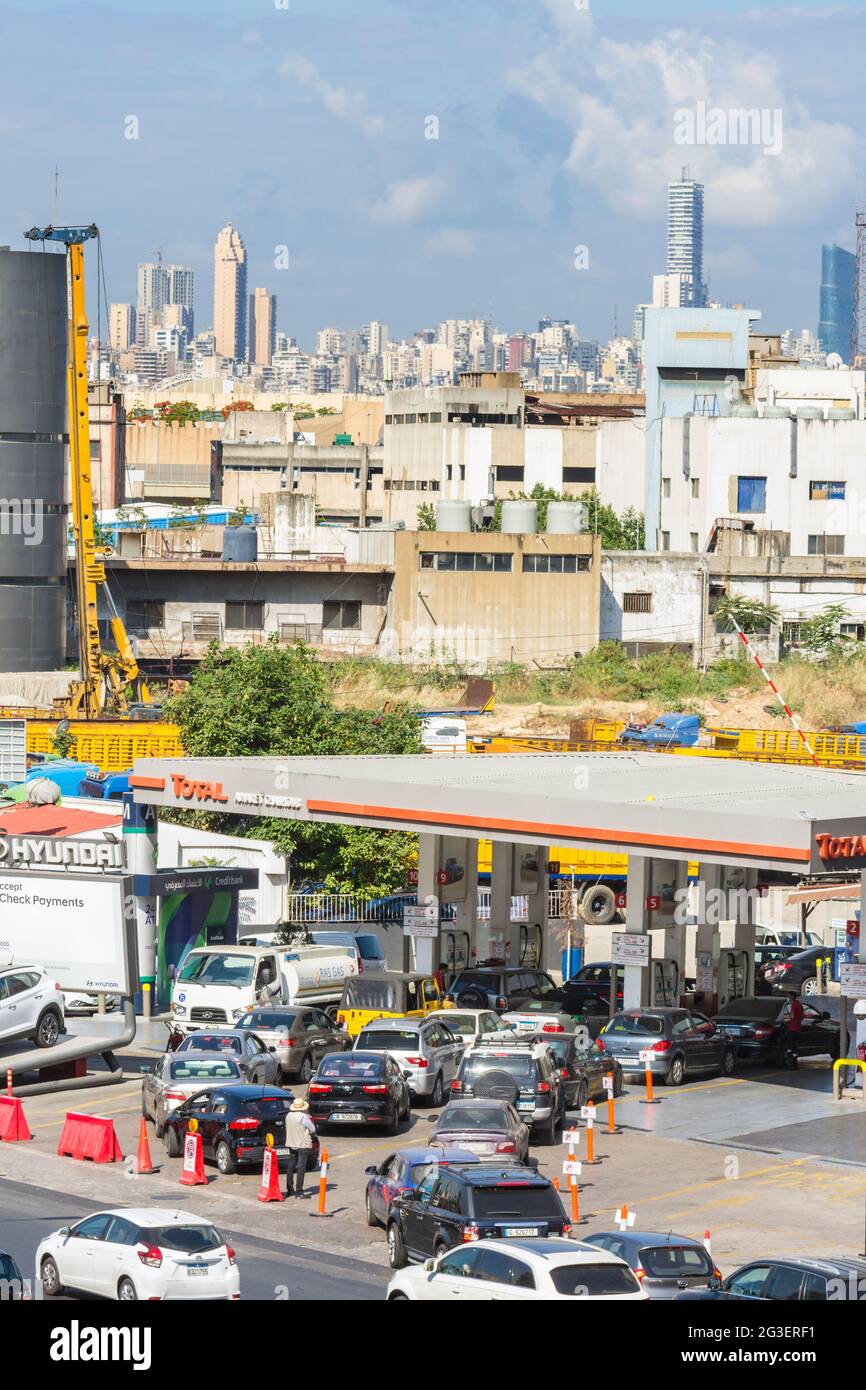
(217, 985)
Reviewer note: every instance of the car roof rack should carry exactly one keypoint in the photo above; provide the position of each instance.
(497, 1042)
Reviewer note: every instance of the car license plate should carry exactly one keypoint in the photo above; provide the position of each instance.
(630, 1062)
(526, 1105)
(514, 1232)
(282, 1153)
(196, 1269)
(347, 1117)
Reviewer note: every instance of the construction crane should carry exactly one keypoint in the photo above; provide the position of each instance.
(107, 678)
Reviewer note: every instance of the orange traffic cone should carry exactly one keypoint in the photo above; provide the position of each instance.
(192, 1168)
(142, 1160)
(270, 1188)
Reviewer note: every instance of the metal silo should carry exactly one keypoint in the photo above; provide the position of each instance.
(33, 334)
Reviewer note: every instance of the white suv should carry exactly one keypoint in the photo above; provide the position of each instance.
(30, 1005)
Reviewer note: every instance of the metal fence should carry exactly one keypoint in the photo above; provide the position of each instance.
(309, 908)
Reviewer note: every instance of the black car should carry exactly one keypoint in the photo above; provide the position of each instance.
(501, 987)
(665, 1263)
(765, 958)
(797, 973)
(521, 1072)
(590, 988)
(359, 1088)
(795, 1281)
(13, 1287)
(454, 1205)
(758, 1028)
(233, 1122)
(583, 1069)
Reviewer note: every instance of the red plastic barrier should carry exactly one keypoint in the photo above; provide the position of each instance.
(89, 1136)
(192, 1168)
(13, 1126)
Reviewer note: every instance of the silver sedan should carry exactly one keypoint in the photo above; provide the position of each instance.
(177, 1076)
(259, 1064)
(428, 1054)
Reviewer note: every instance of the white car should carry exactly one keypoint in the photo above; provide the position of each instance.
(31, 1005)
(542, 1020)
(518, 1271)
(139, 1253)
(470, 1024)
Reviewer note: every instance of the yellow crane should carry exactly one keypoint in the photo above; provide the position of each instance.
(107, 677)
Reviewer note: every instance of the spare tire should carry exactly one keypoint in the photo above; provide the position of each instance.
(497, 1085)
(598, 905)
(471, 998)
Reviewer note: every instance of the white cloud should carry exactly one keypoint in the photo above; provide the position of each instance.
(339, 101)
(406, 199)
(621, 99)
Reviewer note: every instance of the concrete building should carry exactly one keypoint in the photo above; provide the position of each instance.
(263, 326)
(107, 444)
(695, 363)
(230, 294)
(180, 297)
(121, 327)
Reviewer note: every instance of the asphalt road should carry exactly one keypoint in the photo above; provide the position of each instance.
(269, 1271)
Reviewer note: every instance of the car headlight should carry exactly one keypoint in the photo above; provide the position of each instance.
(179, 1010)
(238, 1013)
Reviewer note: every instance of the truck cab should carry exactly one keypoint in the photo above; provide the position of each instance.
(217, 985)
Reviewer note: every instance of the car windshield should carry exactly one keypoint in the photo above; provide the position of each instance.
(465, 1024)
(635, 1023)
(268, 1108)
(191, 1068)
(210, 1042)
(192, 1239)
(517, 1199)
(675, 1261)
(473, 1117)
(268, 1018)
(587, 1281)
(390, 1039)
(751, 1008)
(205, 969)
(352, 1068)
(516, 1065)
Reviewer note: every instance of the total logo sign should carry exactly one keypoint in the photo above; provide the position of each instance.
(187, 788)
(841, 846)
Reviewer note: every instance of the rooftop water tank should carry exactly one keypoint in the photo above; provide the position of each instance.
(841, 412)
(453, 515)
(810, 412)
(240, 545)
(565, 518)
(519, 518)
(776, 412)
(744, 411)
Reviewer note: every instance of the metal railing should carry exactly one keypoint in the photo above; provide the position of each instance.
(310, 908)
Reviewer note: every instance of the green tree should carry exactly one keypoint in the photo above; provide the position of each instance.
(820, 636)
(273, 700)
(751, 614)
(426, 517)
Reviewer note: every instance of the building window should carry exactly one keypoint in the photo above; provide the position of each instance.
(751, 494)
(509, 473)
(578, 475)
(95, 450)
(791, 633)
(666, 487)
(637, 603)
(855, 630)
(556, 564)
(826, 492)
(480, 562)
(245, 617)
(144, 614)
(666, 540)
(696, 487)
(693, 540)
(342, 614)
(826, 545)
(435, 417)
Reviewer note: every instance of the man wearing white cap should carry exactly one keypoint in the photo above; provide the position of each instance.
(299, 1142)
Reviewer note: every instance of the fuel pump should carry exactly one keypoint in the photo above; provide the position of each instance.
(666, 966)
(530, 945)
(735, 961)
(455, 953)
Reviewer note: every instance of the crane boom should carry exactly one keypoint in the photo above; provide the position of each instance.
(105, 676)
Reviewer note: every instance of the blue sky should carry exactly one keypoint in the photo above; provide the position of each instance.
(306, 125)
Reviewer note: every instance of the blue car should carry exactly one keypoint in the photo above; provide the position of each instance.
(668, 731)
(399, 1174)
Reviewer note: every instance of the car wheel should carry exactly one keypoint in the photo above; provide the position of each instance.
(47, 1029)
(676, 1075)
(437, 1095)
(372, 1218)
(51, 1285)
(306, 1069)
(171, 1140)
(225, 1161)
(809, 987)
(598, 905)
(729, 1062)
(397, 1256)
(126, 1292)
(618, 1082)
(397, 1298)
(582, 1097)
(407, 1108)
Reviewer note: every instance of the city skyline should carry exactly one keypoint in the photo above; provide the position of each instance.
(564, 137)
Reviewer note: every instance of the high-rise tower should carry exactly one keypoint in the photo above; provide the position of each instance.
(230, 294)
(686, 238)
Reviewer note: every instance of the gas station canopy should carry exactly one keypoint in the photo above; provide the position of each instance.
(802, 820)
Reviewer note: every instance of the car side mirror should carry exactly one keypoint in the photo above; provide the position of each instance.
(65, 1231)
(431, 1119)
(407, 1073)
(429, 1266)
(825, 1014)
(714, 1283)
(272, 1049)
(371, 1170)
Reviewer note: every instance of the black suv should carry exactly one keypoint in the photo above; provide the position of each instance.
(522, 1072)
(582, 1069)
(457, 1204)
(501, 987)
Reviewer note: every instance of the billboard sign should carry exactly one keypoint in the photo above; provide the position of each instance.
(75, 926)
